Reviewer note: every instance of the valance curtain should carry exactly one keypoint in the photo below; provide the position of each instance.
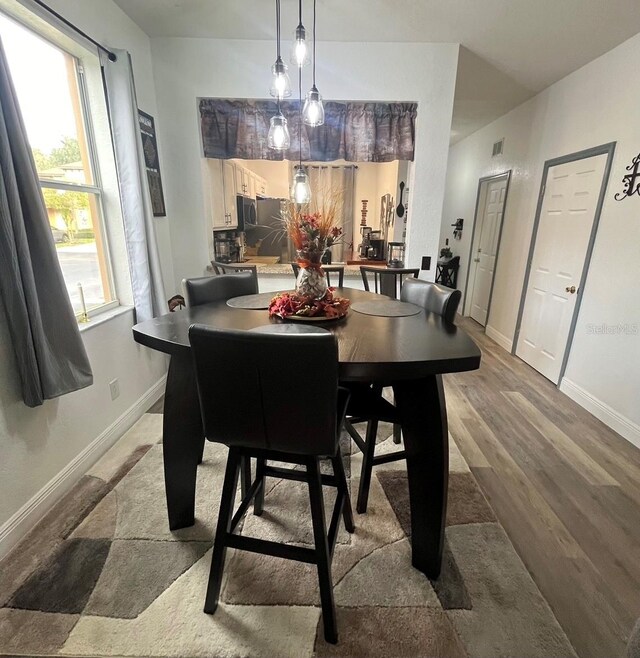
(135, 198)
(357, 132)
(49, 351)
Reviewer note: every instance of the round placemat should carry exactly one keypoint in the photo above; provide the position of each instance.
(289, 329)
(252, 302)
(387, 308)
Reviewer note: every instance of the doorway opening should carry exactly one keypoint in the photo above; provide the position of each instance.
(571, 196)
(491, 201)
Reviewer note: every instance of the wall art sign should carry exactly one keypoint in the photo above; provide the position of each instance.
(631, 181)
(152, 163)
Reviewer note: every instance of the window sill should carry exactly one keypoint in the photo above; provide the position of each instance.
(101, 318)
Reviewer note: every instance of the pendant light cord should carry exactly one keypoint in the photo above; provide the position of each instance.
(314, 43)
(278, 29)
(300, 123)
(299, 12)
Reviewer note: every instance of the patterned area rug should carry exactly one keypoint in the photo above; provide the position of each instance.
(102, 575)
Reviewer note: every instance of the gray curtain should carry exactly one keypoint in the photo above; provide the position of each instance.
(325, 180)
(49, 351)
(135, 198)
(357, 132)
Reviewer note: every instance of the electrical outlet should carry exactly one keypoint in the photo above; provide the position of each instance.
(114, 387)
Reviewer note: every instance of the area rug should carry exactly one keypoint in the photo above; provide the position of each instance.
(102, 575)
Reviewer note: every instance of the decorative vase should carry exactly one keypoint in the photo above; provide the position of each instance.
(311, 282)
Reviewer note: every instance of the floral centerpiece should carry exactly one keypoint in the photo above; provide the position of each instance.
(293, 305)
(312, 233)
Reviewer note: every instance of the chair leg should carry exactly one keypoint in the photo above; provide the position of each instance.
(224, 524)
(397, 433)
(258, 501)
(245, 475)
(367, 466)
(343, 489)
(322, 551)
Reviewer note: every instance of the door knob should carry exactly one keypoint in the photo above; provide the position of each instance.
(570, 289)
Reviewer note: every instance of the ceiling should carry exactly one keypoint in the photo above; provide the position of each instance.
(512, 48)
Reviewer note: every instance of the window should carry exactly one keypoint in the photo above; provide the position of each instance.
(50, 88)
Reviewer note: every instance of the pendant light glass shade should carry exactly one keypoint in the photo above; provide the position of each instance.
(300, 51)
(278, 138)
(300, 190)
(280, 84)
(313, 112)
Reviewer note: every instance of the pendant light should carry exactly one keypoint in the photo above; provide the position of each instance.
(278, 138)
(300, 189)
(313, 108)
(280, 85)
(300, 48)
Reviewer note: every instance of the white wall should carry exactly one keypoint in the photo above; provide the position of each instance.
(185, 69)
(595, 105)
(37, 444)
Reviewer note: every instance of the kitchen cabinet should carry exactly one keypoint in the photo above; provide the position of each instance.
(229, 182)
(224, 180)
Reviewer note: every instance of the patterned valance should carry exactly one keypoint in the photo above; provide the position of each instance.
(357, 132)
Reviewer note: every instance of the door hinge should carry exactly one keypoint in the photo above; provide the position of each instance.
(542, 191)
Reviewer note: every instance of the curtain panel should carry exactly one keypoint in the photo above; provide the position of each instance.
(356, 132)
(142, 249)
(49, 352)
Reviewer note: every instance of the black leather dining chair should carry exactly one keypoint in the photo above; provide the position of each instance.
(328, 271)
(432, 297)
(386, 280)
(277, 419)
(369, 405)
(233, 268)
(207, 289)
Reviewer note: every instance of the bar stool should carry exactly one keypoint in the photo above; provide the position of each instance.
(386, 280)
(259, 409)
(367, 403)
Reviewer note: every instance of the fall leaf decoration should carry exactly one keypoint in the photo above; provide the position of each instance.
(288, 304)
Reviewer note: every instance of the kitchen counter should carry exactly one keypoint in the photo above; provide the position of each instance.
(280, 269)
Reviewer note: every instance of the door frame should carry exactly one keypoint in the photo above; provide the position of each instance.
(604, 149)
(468, 294)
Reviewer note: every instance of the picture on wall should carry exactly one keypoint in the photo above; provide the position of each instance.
(152, 163)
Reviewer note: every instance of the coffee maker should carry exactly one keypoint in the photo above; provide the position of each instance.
(376, 246)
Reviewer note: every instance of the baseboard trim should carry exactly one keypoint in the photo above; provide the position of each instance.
(499, 338)
(18, 525)
(609, 416)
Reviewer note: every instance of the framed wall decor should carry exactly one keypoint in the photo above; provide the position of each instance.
(152, 163)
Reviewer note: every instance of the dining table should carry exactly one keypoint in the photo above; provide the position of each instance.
(409, 352)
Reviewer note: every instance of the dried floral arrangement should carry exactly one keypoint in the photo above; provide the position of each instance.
(315, 227)
(288, 305)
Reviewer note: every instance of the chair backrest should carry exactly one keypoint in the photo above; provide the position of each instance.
(267, 390)
(328, 270)
(432, 297)
(207, 289)
(232, 268)
(386, 280)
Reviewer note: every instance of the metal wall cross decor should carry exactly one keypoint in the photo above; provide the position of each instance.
(631, 181)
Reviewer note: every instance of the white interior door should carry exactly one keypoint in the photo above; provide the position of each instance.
(566, 219)
(486, 248)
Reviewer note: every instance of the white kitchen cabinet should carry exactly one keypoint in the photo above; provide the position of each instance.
(261, 186)
(229, 182)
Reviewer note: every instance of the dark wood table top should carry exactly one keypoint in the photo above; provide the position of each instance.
(370, 348)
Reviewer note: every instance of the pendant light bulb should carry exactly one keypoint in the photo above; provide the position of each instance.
(300, 55)
(300, 190)
(280, 84)
(313, 112)
(278, 138)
